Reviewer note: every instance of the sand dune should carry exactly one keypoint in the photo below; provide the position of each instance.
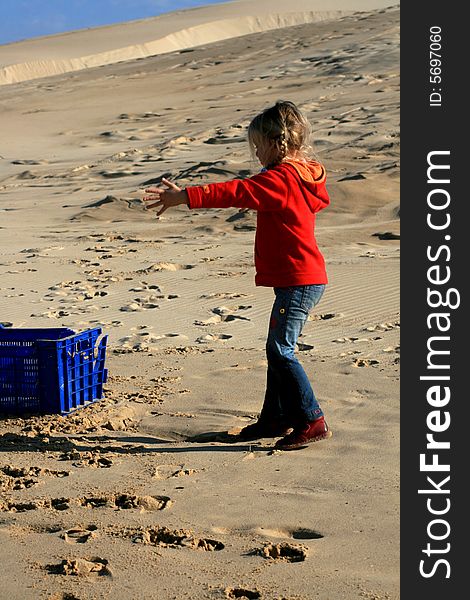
(63, 53)
(190, 37)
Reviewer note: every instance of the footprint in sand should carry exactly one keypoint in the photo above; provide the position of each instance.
(365, 362)
(81, 567)
(165, 266)
(93, 322)
(387, 235)
(10, 483)
(356, 340)
(228, 135)
(227, 274)
(63, 596)
(116, 174)
(162, 536)
(127, 501)
(78, 535)
(371, 254)
(16, 507)
(143, 134)
(87, 459)
(391, 349)
(242, 593)
(115, 134)
(222, 295)
(144, 286)
(298, 533)
(210, 321)
(139, 117)
(140, 304)
(76, 291)
(225, 314)
(19, 478)
(144, 342)
(26, 175)
(213, 337)
(109, 251)
(102, 276)
(171, 471)
(244, 221)
(67, 311)
(352, 177)
(29, 162)
(226, 311)
(157, 295)
(305, 347)
(324, 316)
(283, 552)
(388, 326)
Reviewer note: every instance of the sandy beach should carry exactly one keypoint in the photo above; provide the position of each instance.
(145, 494)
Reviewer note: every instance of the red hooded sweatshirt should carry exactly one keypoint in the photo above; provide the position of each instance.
(286, 198)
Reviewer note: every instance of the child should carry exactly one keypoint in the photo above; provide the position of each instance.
(287, 194)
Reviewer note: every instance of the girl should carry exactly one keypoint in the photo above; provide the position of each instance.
(287, 194)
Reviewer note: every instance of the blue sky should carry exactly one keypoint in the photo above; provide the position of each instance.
(23, 19)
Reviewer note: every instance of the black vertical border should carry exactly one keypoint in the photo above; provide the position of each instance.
(424, 129)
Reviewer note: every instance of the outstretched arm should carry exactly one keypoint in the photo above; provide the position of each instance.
(165, 198)
(265, 191)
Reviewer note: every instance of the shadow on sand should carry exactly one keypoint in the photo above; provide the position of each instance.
(213, 441)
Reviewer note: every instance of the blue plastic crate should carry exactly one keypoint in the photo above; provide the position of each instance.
(50, 370)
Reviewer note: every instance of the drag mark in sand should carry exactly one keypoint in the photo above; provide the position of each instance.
(127, 501)
(115, 501)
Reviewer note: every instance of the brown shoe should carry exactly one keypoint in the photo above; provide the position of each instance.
(263, 429)
(303, 435)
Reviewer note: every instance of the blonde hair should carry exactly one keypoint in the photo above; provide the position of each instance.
(281, 131)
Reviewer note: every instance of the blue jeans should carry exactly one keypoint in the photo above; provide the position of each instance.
(289, 396)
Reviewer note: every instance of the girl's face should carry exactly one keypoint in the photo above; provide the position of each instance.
(265, 153)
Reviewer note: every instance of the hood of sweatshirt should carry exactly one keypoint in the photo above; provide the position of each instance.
(310, 172)
(312, 176)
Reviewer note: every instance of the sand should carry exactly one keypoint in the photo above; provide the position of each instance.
(144, 494)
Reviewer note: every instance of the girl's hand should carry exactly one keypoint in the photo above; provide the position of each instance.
(164, 198)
